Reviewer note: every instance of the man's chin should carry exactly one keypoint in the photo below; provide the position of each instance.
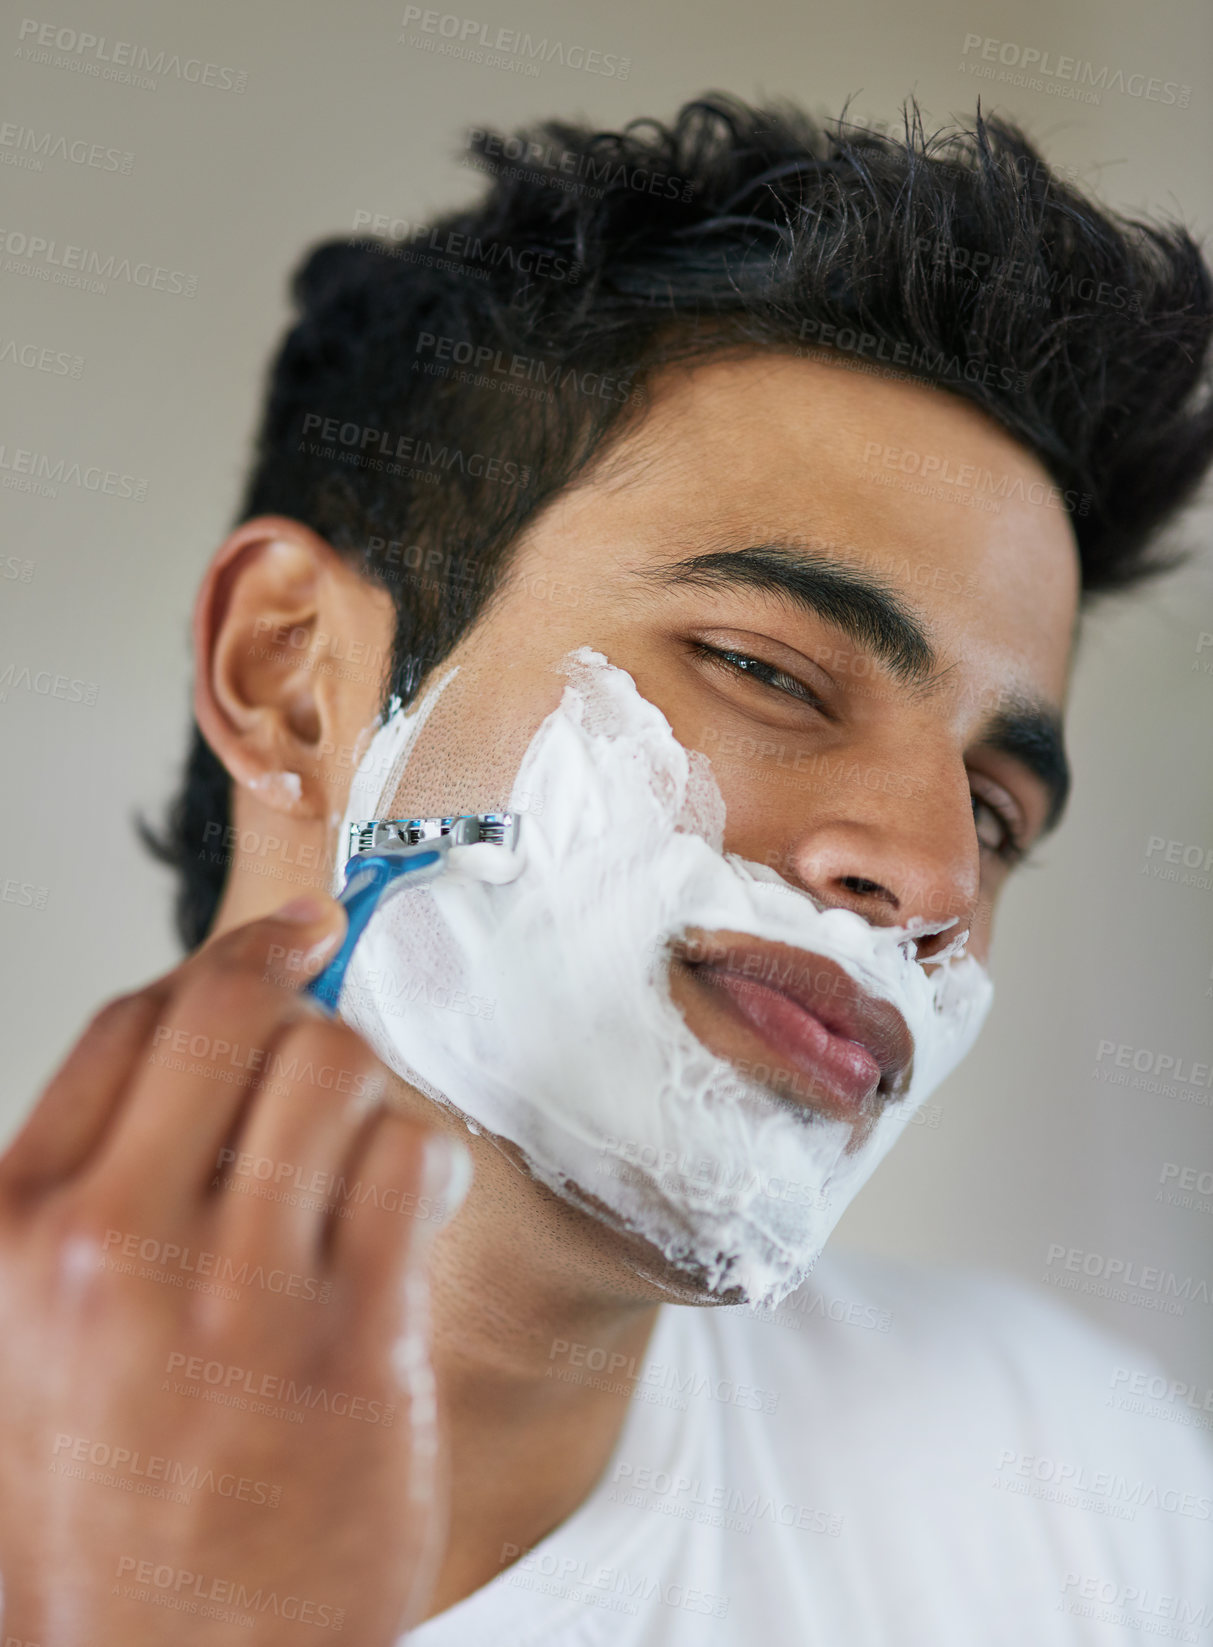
(679, 1277)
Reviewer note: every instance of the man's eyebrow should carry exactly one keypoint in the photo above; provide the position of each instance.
(873, 615)
(863, 607)
(1030, 731)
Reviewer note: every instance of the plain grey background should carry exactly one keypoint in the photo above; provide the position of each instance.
(342, 111)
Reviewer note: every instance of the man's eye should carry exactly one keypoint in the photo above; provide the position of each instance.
(996, 833)
(741, 663)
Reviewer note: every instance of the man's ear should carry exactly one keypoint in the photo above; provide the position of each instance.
(292, 649)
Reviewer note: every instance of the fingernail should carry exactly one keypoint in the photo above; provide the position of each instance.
(303, 910)
(446, 1176)
(322, 949)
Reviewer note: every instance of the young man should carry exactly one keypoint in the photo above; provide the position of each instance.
(745, 567)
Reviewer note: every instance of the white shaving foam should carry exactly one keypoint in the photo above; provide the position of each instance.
(539, 1007)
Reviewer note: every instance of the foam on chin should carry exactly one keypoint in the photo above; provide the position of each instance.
(540, 1010)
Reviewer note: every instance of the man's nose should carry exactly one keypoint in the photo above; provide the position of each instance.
(894, 860)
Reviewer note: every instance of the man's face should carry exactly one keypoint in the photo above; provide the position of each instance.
(873, 662)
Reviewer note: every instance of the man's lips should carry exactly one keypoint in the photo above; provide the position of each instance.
(812, 1016)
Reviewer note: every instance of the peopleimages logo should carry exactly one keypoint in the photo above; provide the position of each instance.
(412, 449)
(41, 358)
(125, 1462)
(830, 341)
(125, 61)
(34, 254)
(596, 1584)
(969, 477)
(1129, 1604)
(468, 37)
(228, 1600)
(240, 1382)
(25, 146)
(46, 685)
(1040, 284)
(28, 471)
(645, 1487)
(1078, 72)
(1126, 1494)
(468, 253)
(1159, 1388)
(1119, 1277)
(484, 359)
(1146, 1061)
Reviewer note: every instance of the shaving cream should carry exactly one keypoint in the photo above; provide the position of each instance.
(539, 1007)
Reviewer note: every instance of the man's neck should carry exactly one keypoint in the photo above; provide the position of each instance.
(518, 1332)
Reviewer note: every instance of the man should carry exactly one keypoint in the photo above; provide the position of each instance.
(646, 537)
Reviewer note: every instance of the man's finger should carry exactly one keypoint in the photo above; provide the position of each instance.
(69, 1120)
(412, 1182)
(284, 1169)
(208, 1051)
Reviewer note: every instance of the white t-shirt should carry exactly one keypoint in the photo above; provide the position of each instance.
(897, 1458)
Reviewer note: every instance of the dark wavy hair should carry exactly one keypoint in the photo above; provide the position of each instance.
(959, 255)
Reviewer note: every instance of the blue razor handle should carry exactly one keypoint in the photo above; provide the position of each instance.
(382, 853)
(366, 877)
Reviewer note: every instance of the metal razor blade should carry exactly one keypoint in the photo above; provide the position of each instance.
(386, 855)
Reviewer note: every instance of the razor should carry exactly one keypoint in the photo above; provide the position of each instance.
(386, 856)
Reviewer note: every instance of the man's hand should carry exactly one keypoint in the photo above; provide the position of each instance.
(217, 1418)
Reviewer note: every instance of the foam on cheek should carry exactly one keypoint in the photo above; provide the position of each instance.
(539, 1006)
(486, 862)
